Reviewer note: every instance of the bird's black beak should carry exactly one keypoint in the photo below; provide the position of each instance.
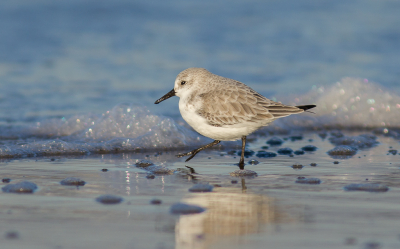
(166, 96)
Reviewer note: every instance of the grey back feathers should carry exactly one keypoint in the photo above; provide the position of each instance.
(229, 102)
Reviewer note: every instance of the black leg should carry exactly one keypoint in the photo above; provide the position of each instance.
(194, 152)
(241, 162)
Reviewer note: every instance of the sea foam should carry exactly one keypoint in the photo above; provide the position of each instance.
(348, 104)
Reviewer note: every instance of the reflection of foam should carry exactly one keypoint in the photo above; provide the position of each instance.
(229, 212)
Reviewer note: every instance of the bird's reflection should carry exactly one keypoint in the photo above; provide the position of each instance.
(230, 211)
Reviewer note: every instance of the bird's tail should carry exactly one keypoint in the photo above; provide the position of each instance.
(305, 107)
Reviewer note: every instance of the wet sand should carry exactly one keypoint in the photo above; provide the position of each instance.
(267, 211)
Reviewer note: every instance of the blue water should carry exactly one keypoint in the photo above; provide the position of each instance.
(60, 59)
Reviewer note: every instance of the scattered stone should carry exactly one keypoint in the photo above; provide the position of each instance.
(296, 137)
(243, 173)
(6, 180)
(265, 147)
(247, 153)
(323, 135)
(183, 208)
(109, 199)
(265, 154)
(297, 166)
(304, 180)
(104, 170)
(253, 162)
(158, 170)
(275, 141)
(313, 164)
(231, 152)
(144, 164)
(201, 188)
(155, 202)
(285, 151)
(372, 245)
(12, 235)
(24, 187)
(336, 162)
(350, 241)
(342, 150)
(234, 181)
(72, 181)
(299, 152)
(369, 187)
(53, 159)
(361, 141)
(393, 152)
(150, 176)
(336, 134)
(309, 148)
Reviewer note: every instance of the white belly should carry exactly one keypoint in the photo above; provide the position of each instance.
(226, 133)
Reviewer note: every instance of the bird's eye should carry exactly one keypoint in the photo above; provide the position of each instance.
(183, 83)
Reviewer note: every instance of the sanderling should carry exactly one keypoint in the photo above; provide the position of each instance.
(224, 109)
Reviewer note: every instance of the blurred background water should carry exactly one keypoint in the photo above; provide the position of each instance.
(59, 58)
(62, 59)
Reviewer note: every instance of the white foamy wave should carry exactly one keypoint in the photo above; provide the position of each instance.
(350, 103)
(125, 128)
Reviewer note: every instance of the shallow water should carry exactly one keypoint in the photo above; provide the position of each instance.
(241, 212)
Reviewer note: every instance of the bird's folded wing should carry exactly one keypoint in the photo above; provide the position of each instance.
(239, 105)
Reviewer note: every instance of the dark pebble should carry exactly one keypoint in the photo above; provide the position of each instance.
(372, 245)
(231, 152)
(247, 153)
(234, 182)
(104, 170)
(109, 199)
(296, 137)
(265, 154)
(20, 188)
(313, 164)
(53, 159)
(299, 152)
(72, 181)
(217, 185)
(158, 170)
(304, 180)
(155, 202)
(297, 166)
(12, 235)
(369, 187)
(336, 162)
(350, 241)
(6, 180)
(144, 163)
(342, 150)
(201, 188)
(323, 135)
(265, 147)
(253, 162)
(183, 208)
(285, 151)
(275, 141)
(309, 148)
(393, 152)
(150, 176)
(243, 173)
